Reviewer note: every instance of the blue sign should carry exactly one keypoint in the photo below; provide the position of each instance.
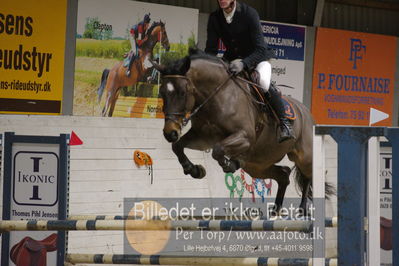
(288, 41)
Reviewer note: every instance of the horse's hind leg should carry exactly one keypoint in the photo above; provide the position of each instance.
(282, 176)
(303, 176)
(106, 105)
(114, 98)
(304, 182)
(305, 193)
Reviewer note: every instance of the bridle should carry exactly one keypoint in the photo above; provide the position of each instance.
(187, 118)
(172, 116)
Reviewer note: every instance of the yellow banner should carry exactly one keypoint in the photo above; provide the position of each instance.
(32, 37)
(139, 107)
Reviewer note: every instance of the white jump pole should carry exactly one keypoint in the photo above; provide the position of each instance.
(319, 194)
(373, 206)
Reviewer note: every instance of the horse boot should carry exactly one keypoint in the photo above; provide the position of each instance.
(286, 131)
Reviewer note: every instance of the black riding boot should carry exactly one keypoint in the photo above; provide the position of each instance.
(286, 131)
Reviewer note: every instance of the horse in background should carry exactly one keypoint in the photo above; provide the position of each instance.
(227, 118)
(114, 79)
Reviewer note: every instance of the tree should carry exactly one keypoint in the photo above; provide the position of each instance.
(107, 34)
(191, 41)
(95, 30)
(91, 32)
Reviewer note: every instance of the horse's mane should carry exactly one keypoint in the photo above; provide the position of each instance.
(176, 66)
(181, 66)
(196, 53)
(153, 25)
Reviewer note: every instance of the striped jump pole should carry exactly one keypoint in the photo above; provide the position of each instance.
(175, 260)
(144, 225)
(138, 217)
(329, 221)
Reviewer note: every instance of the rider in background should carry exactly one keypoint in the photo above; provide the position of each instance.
(137, 34)
(238, 26)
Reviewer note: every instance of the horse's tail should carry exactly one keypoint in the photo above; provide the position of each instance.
(301, 181)
(100, 89)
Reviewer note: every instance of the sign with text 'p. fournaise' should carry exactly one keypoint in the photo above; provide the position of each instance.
(352, 73)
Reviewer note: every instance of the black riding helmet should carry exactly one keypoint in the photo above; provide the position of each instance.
(147, 18)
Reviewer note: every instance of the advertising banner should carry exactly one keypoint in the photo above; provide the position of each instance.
(32, 37)
(352, 73)
(386, 203)
(115, 44)
(34, 188)
(288, 41)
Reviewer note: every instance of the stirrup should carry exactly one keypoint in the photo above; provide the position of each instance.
(286, 131)
(128, 72)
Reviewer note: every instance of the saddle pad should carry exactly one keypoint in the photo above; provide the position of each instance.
(289, 109)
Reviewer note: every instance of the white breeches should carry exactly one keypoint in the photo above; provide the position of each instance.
(265, 72)
(133, 44)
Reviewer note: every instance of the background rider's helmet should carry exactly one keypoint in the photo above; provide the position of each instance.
(147, 18)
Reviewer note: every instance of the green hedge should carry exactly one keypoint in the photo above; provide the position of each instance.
(105, 49)
(116, 48)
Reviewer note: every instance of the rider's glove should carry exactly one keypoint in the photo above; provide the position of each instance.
(236, 66)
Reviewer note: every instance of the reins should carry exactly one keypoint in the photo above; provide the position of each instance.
(196, 110)
(266, 102)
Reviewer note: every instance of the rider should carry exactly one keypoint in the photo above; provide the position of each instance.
(238, 25)
(137, 34)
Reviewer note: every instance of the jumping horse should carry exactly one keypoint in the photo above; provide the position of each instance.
(115, 79)
(226, 117)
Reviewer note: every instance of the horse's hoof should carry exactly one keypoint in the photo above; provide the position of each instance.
(274, 211)
(231, 166)
(199, 172)
(188, 169)
(303, 212)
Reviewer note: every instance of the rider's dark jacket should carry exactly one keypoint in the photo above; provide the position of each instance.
(242, 37)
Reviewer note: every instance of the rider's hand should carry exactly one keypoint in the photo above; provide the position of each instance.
(236, 66)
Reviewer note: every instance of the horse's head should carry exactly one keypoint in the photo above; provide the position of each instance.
(177, 92)
(157, 33)
(164, 37)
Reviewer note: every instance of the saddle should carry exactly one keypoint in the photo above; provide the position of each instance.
(31, 252)
(253, 77)
(128, 57)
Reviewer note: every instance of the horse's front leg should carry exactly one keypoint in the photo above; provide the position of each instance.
(231, 147)
(189, 140)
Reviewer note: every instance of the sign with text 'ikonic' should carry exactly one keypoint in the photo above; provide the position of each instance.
(34, 188)
(352, 73)
(32, 37)
(288, 41)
